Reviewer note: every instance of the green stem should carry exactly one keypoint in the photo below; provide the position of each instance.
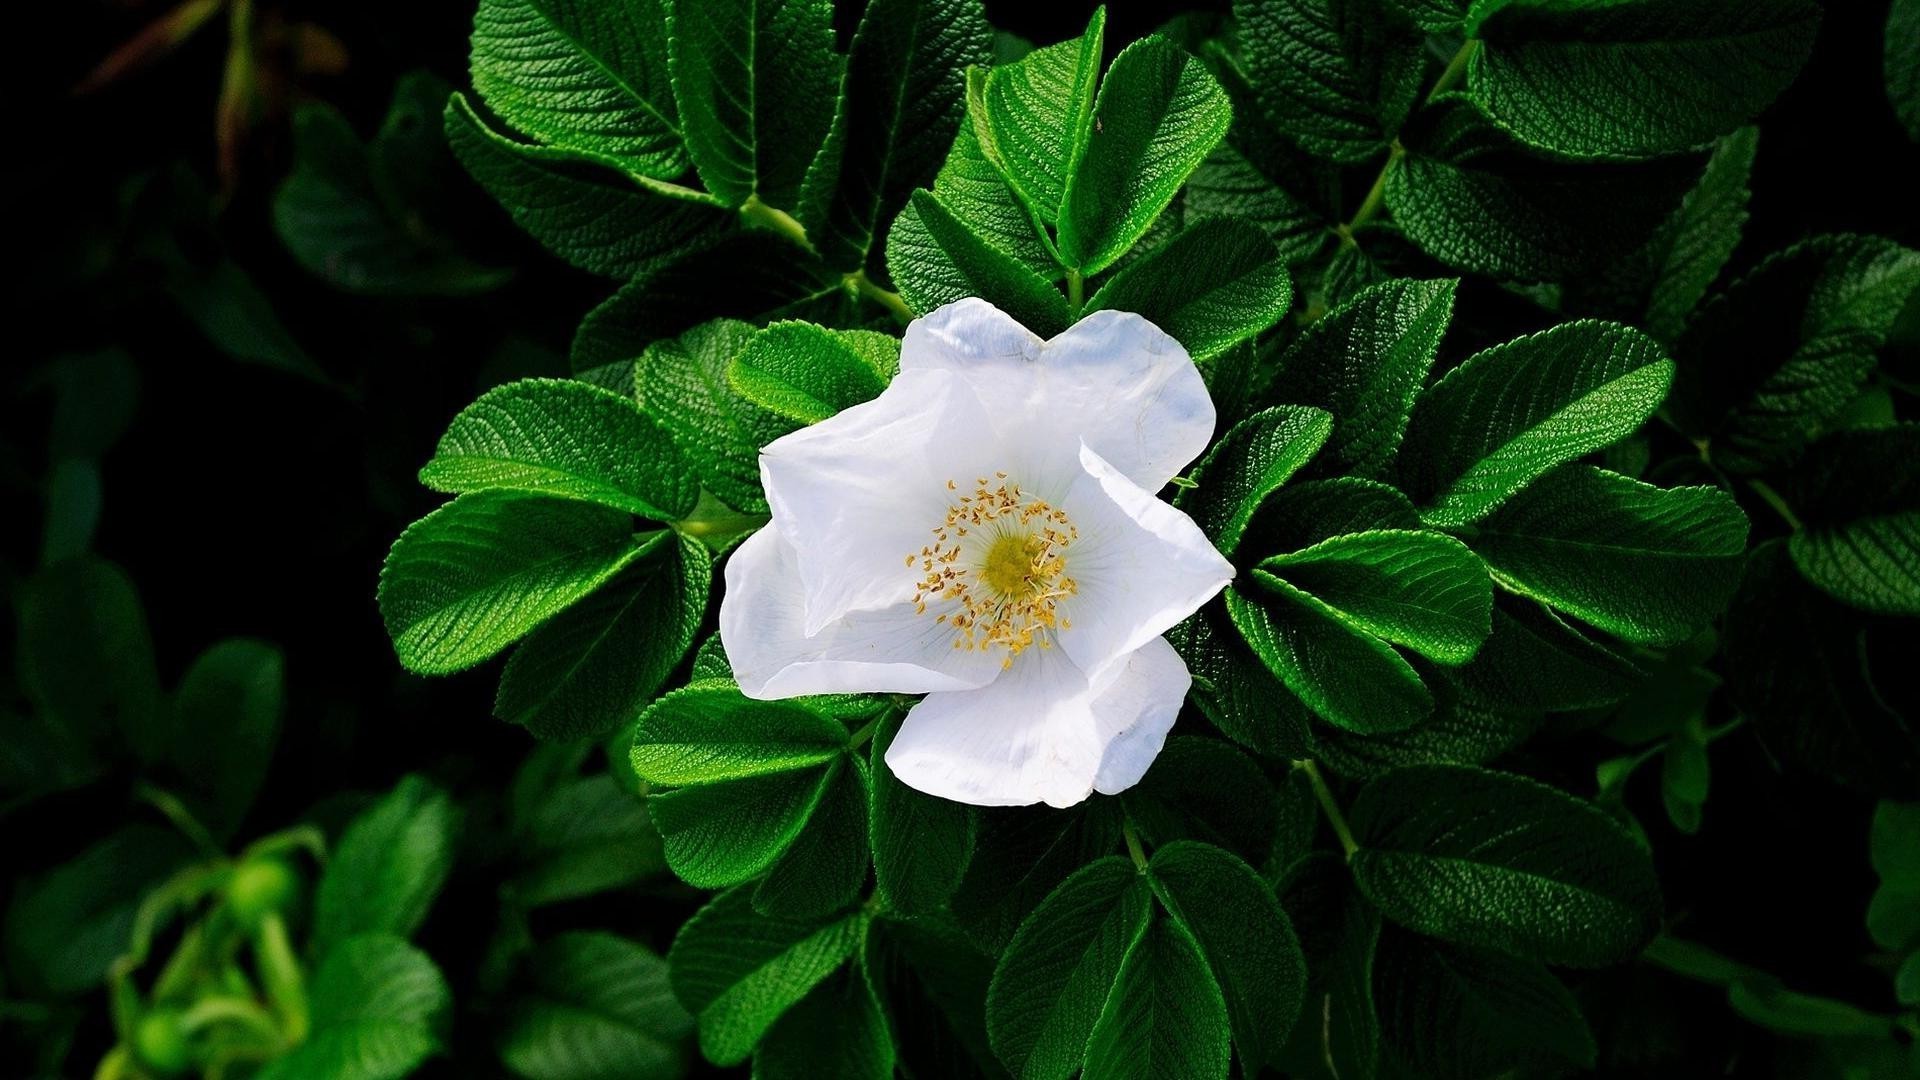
(209, 1011)
(1772, 498)
(859, 738)
(1138, 853)
(772, 217)
(280, 975)
(1456, 69)
(177, 813)
(117, 1064)
(863, 285)
(1335, 818)
(1076, 291)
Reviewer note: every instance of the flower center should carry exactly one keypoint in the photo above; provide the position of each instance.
(998, 568)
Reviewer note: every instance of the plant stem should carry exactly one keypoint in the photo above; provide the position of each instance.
(1076, 290)
(1773, 499)
(177, 813)
(772, 217)
(1332, 809)
(1456, 69)
(863, 285)
(1138, 854)
(859, 738)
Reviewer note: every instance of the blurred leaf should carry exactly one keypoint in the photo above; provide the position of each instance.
(387, 867)
(66, 927)
(380, 1009)
(599, 1008)
(85, 658)
(225, 725)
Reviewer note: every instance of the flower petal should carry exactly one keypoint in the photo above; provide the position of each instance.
(889, 650)
(1113, 380)
(1140, 565)
(857, 492)
(1042, 732)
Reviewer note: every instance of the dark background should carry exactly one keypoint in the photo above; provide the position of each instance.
(249, 500)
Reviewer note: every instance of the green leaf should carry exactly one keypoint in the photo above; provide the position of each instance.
(932, 985)
(586, 77)
(1693, 246)
(387, 867)
(837, 1030)
(1434, 16)
(1245, 937)
(902, 100)
(1458, 733)
(826, 865)
(1466, 194)
(1348, 677)
(226, 722)
(1337, 76)
(1461, 1013)
(1535, 662)
(1302, 515)
(600, 1008)
(567, 439)
(1233, 689)
(85, 657)
(1685, 777)
(921, 844)
(1228, 184)
(1893, 844)
(1767, 365)
(1215, 283)
(580, 211)
(1364, 362)
(1158, 115)
(578, 836)
(1054, 979)
(755, 81)
(1340, 932)
(1647, 564)
(379, 1010)
(682, 384)
(1860, 502)
(1165, 1015)
(1766, 1002)
(1020, 856)
(807, 373)
(934, 259)
(1203, 789)
(710, 732)
(975, 189)
(1901, 68)
(737, 970)
(482, 571)
(349, 211)
(717, 835)
(1249, 464)
(1490, 859)
(1635, 79)
(65, 928)
(1039, 116)
(1510, 413)
(1422, 590)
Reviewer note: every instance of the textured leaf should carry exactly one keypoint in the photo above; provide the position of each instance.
(932, 984)
(584, 213)
(593, 667)
(975, 189)
(1639, 78)
(1158, 115)
(1236, 692)
(1458, 733)
(837, 1030)
(1247, 466)
(1337, 76)
(601, 1009)
(1468, 196)
(921, 844)
(1020, 856)
(935, 259)
(1053, 981)
(1768, 364)
(711, 732)
(1364, 362)
(737, 970)
(1215, 283)
(755, 82)
(1039, 114)
(1860, 499)
(1202, 789)
(1651, 565)
(1901, 67)
(1510, 413)
(475, 575)
(1304, 514)
(564, 438)
(1693, 246)
(1165, 1015)
(825, 867)
(1490, 859)
(1228, 184)
(807, 373)
(1245, 937)
(379, 1008)
(1422, 590)
(721, 834)
(903, 98)
(1340, 932)
(682, 384)
(1534, 662)
(1460, 1013)
(226, 722)
(583, 76)
(388, 866)
(1348, 677)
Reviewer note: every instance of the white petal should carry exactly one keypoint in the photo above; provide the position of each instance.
(856, 493)
(1140, 565)
(890, 650)
(1113, 380)
(1041, 732)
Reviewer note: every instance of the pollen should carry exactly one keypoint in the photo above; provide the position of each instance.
(997, 569)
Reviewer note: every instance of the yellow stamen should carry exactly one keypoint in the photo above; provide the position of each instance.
(1005, 584)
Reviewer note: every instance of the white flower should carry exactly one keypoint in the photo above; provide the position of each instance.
(986, 532)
